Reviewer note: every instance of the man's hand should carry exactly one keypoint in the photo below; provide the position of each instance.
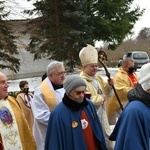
(110, 82)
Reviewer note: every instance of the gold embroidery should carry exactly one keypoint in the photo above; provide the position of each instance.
(9, 133)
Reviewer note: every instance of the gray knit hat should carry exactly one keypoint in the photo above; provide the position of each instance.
(72, 82)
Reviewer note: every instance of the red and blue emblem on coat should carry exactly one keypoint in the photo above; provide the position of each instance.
(5, 116)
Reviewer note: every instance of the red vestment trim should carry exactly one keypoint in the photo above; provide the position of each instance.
(133, 79)
(90, 139)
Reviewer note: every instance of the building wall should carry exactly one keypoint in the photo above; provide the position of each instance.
(29, 67)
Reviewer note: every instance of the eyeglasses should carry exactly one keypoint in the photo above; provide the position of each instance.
(80, 92)
(60, 73)
(93, 66)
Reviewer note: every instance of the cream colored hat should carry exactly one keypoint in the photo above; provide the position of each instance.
(88, 55)
(144, 77)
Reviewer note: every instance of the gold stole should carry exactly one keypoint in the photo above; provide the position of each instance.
(48, 95)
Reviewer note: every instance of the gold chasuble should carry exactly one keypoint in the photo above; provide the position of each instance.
(48, 95)
(14, 130)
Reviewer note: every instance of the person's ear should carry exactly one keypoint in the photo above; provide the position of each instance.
(148, 91)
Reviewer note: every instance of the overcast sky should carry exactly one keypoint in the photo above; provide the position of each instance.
(16, 6)
(144, 20)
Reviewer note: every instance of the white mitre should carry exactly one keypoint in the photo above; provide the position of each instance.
(88, 55)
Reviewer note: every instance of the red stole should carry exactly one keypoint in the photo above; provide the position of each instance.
(88, 134)
(133, 79)
(1, 144)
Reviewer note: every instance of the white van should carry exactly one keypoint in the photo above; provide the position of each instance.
(139, 57)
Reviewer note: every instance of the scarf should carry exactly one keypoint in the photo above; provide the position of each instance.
(72, 104)
(139, 94)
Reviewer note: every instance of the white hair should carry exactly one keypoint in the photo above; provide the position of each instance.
(52, 65)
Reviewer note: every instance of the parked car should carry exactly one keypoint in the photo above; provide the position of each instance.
(139, 57)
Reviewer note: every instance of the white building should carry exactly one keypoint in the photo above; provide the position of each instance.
(29, 67)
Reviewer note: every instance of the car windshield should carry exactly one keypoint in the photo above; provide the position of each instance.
(139, 56)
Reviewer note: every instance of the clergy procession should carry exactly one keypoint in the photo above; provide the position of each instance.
(78, 111)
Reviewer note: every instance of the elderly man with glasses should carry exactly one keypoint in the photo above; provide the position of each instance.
(46, 97)
(74, 124)
(97, 88)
